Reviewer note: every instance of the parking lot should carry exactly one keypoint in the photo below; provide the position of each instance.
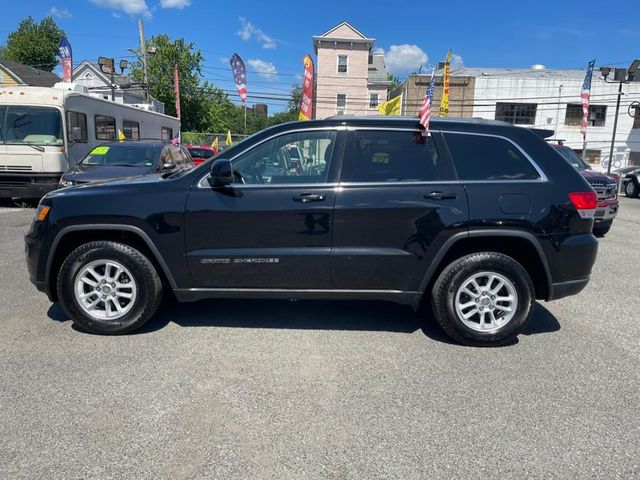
(278, 389)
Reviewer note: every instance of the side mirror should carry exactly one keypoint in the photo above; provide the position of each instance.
(168, 166)
(221, 173)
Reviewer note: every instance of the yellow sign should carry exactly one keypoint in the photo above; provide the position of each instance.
(391, 107)
(121, 136)
(100, 150)
(444, 101)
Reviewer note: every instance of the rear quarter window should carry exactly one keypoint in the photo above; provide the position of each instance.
(483, 157)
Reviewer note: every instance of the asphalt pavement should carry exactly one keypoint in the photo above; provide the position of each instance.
(278, 389)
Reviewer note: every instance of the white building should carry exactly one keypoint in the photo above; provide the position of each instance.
(126, 92)
(550, 99)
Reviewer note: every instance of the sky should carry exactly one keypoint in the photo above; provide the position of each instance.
(273, 36)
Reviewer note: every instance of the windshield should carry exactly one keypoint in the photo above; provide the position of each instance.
(573, 158)
(201, 153)
(30, 125)
(123, 155)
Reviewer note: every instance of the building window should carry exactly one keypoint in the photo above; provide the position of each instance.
(341, 103)
(343, 61)
(373, 100)
(131, 129)
(105, 127)
(636, 118)
(597, 115)
(517, 113)
(77, 127)
(370, 57)
(167, 134)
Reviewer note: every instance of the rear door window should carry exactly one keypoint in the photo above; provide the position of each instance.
(390, 156)
(483, 157)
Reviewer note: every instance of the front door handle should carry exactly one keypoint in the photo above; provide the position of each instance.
(440, 195)
(308, 198)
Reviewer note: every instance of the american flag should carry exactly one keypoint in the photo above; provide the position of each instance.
(425, 110)
(239, 76)
(585, 93)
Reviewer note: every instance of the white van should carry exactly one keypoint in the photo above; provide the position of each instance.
(43, 131)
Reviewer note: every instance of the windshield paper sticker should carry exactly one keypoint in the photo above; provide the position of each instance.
(99, 151)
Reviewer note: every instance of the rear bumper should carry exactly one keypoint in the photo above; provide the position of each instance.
(27, 186)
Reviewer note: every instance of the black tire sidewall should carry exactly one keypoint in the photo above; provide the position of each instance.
(498, 263)
(106, 251)
(631, 189)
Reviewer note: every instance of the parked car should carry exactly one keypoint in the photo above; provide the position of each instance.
(127, 159)
(477, 219)
(200, 153)
(605, 186)
(630, 180)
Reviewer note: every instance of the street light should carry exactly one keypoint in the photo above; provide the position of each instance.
(620, 76)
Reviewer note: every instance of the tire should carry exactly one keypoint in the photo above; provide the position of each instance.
(631, 189)
(601, 230)
(128, 278)
(448, 293)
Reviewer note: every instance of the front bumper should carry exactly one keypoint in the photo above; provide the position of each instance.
(607, 210)
(27, 186)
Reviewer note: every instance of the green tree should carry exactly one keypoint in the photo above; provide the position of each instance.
(35, 44)
(160, 67)
(395, 82)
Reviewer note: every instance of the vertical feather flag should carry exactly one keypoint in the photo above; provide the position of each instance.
(444, 101)
(585, 94)
(239, 76)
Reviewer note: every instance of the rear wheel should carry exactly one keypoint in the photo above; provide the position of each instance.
(483, 299)
(108, 288)
(631, 189)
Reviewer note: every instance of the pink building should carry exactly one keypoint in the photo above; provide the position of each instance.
(351, 77)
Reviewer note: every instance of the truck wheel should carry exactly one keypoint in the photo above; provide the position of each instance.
(108, 288)
(631, 189)
(483, 299)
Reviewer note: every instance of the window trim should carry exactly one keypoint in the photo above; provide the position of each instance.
(542, 176)
(95, 127)
(344, 109)
(202, 183)
(516, 104)
(371, 94)
(68, 126)
(346, 72)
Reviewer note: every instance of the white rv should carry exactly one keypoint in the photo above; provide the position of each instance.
(43, 131)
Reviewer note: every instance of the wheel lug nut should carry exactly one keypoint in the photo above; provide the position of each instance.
(104, 297)
(113, 294)
(113, 285)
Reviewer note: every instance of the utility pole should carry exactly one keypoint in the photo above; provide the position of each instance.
(615, 128)
(143, 56)
(176, 86)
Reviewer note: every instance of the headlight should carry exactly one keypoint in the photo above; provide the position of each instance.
(42, 212)
(65, 183)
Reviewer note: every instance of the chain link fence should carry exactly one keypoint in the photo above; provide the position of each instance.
(206, 138)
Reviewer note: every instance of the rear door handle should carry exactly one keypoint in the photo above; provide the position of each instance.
(308, 198)
(440, 195)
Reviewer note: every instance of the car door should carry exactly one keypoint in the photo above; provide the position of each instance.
(271, 228)
(397, 204)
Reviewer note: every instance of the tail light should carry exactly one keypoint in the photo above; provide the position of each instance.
(585, 202)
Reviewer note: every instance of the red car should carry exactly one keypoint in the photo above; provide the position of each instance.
(201, 153)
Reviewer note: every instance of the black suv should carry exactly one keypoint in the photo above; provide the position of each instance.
(477, 218)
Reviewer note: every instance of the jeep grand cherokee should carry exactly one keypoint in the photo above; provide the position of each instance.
(476, 218)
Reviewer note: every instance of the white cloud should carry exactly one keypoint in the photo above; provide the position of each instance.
(265, 69)
(179, 4)
(456, 61)
(249, 30)
(404, 58)
(132, 7)
(59, 12)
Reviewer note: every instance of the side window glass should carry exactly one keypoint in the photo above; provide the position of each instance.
(390, 156)
(166, 134)
(77, 127)
(481, 157)
(300, 157)
(165, 156)
(186, 158)
(105, 127)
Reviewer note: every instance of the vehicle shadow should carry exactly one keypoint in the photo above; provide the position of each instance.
(310, 315)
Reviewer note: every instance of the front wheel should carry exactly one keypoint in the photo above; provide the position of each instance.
(108, 288)
(483, 299)
(631, 189)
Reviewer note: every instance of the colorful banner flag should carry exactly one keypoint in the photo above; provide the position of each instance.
(585, 94)
(239, 76)
(215, 143)
(66, 59)
(444, 101)
(425, 110)
(391, 107)
(228, 140)
(306, 104)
